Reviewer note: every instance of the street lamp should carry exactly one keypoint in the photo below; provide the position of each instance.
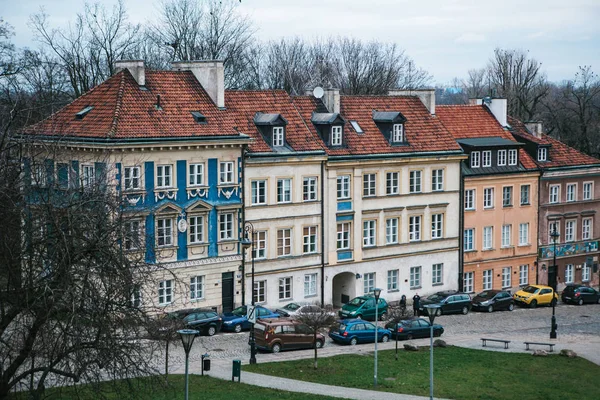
(187, 339)
(432, 312)
(554, 236)
(377, 293)
(249, 240)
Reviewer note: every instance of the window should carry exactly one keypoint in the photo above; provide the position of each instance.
(343, 187)
(398, 133)
(507, 196)
(88, 176)
(525, 194)
(64, 175)
(436, 274)
(512, 157)
(587, 190)
(392, 280)
(165, 292)
(487, 237)
(391, 230)
(470, 199)
(369, 282)
(437, 180)
(259, 192)
(468, 240)
(553, 226)
(542, 154)
(277, 136)
(310, 285)
(524, 234)
(585, 273)
(343, 236)
(506, 277)
(136, 297)
(488, 198)
(285, 288)
(391, 183)
(226, 172)
(468, 282)
(284, 190)
(284, 242)
(309, 188)
(523, 275)
(570, 231)
(196, 287)
(132, 235)
(260, 247)
(226, 226)
(369, 185)
(369, 233)
(336, 135)
(437, 226)
(415, 277)
(501, 158)
(415, 181)
(196, 228)
(487, 158)
(39, 175)
(309, 239)
(586, 229)
(414, 228)
(164, 232)
(487, 279)
(131, 178)
(356, 127)
(571, 192)
(164, 176)
(506, 234)
(554, 193)
(569, 273)
(196, 174)
(475, 159)
(260, 291)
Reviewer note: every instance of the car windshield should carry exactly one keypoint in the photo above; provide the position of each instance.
(291, 307)
(357, 301)
(530, 289)
(486, 295)
(436, 297)
(240, 311)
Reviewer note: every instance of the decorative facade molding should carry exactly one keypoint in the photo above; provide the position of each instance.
(203, 261)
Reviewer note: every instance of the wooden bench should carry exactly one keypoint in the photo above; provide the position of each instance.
(551, 345)
(485, 340)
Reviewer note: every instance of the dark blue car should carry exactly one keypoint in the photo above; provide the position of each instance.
(413, 328)
(353, 331)
(237, 321)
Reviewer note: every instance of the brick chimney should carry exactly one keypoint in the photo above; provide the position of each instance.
(135, 67)
(331, 98)
(210, 74)
(427, 96)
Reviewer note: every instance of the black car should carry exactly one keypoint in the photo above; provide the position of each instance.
(579, 294)
(492, 300)
(207, 321)
(413, 328)
(449, 302)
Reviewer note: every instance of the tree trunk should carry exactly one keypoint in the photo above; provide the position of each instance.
(315, 346)
(167, 362)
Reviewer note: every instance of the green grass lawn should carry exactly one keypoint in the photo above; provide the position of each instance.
(459, 373)
(201, 387)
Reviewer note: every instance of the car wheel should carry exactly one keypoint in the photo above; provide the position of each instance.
(211, 331)
(237, 328)
(319, 344)
(276, 348)
(580, 302)
(511, 307)
(409, 337)
(490, 309)
(359, 316)
(598, 301)
(533, 304)
(383, 317)
(353, 341)
(385, 338)
(465, 310)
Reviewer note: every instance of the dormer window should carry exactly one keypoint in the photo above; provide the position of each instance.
(542, 154)
(272, 129)
(278, 136)
(487, 158)
(336, 136)
(475, 159)
(391, 125)
(398, 133)
(512, 157)
(501, 158)
(330, 127)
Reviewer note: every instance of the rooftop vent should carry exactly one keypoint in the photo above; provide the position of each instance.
(84, 112)
(199, 117)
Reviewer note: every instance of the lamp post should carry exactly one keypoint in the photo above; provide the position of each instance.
(554, 236)
(432, 312)
(377, 293)
(187, 339)
(249, 240)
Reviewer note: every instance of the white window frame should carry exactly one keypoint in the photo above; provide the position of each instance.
(468, 282)
(486, 158)
(398, 133)
(437, 180)
(392, 279)
(278, 136)
(196, 174)
(554, 194)
(416, 181)
(506, 277)
(414, 228)
(542, 154)
(226, 226)
(512, 157)
(501, 158)
(260, 291)
(197, 287)
(571, 192)
(258, 190)
(284, 242)
(132, 177)
(309, 188)
(133, 235)
(285, 288)
(336, 135)
(475, 159)
(226, 172)
(260, 245)
(588, 190)
(586, 273)
(343, 187)
(88, 175)
(368, 282)
(487, 279)
(196, 228)
(551, 225)
(284, 190)
(369, 233)
(586, 228)
(310, 285)
(524, 234)
(437, 226)
(488, 238)
(488, 198)
(507, 196)
(164, 232)
(523, 274)
(506, 236)
(569, 273)
(369, 185)
(415, 277)
(391, 230)
(437, 274)
(470, 199)
(39, 175)
(164, 176)
(392, 183)
(165, 292)
(525, 200)
(570, 229)
(309, 239)
(343, 235)
(469, 239)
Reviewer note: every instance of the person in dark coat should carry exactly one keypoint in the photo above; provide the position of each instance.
(416, 303)
(403, 303)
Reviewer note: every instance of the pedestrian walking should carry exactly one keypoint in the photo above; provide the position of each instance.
(416, 304)
(403, 304)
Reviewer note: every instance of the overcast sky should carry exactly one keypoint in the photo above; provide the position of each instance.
(445, 37)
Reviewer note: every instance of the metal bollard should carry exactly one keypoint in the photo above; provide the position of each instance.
(205, 363)
(237, 370)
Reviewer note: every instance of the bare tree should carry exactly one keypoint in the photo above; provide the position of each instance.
(316, 319)
(395, 315)
(476, 84)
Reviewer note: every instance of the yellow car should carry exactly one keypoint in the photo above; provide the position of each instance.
(535, 295)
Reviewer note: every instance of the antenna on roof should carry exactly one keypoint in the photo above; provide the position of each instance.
(318, 92)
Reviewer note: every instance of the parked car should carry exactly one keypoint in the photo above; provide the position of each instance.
(353, 331)
(283, 334)
(579, 294)
(237, 320)
(181, 314)
(535, 295)
(363, 307)
(413, 328)
(206, 321)
(449, 302)
(492, 300)
(293, 309)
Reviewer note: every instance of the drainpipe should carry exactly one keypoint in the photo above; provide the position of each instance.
(537, 256)
(461, 230)
(243, 223)
(322, 234)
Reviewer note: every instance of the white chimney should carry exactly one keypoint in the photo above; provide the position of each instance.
(210, 74)
(496, 106)
(427, 96)
(331, 98)
(135, 67)
(535, 127)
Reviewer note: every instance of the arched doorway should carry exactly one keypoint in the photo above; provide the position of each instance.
(344, 288)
